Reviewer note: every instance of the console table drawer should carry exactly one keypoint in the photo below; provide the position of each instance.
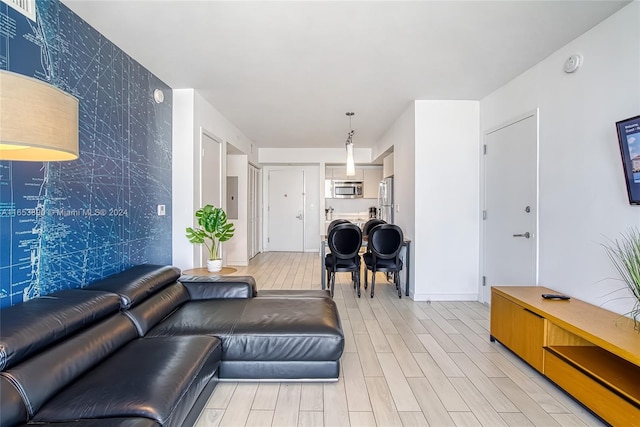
(611, 406)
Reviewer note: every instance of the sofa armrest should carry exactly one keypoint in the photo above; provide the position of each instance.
(219, 287)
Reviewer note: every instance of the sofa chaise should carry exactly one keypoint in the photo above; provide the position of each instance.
(145, 347)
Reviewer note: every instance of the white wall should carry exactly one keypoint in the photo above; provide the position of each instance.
(313, 155)
(401, 136)
(191, 115)
(447, 229)
(436, 188)
(210, 119)
(236, 251)
(583, 197)
(182, 173)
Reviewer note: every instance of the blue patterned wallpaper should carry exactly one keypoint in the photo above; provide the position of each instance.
(66, 224)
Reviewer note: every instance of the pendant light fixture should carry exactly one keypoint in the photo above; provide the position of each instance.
(351, 167)
(38, 122)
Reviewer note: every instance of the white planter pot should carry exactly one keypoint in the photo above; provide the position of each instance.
(214, 265)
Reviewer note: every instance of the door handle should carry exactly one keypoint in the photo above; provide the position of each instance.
(299, 216)
(525, 235)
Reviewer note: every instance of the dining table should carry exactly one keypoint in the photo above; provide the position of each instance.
(406, 244)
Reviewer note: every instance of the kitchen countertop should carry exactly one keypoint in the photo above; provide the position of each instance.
(358, 218)
(351, 216)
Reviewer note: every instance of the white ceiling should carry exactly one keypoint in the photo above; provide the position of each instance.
(285, 73)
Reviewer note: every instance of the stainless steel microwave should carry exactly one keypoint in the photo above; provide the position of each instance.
(342, 189)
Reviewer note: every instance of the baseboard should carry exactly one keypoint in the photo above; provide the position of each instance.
(232, 263)
(445, 297)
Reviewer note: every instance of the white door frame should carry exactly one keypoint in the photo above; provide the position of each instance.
(201, 254)
(255, 229)
(483, 192)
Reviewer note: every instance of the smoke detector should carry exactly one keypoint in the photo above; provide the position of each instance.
(158, 96)
(572, 63)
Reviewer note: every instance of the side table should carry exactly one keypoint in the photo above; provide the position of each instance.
(204, 272)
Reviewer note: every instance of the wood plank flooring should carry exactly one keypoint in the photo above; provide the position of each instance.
(405, 363)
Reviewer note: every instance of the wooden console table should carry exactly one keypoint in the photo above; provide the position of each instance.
(591, 353)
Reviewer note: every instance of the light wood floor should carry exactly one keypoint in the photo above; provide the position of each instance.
(405, 363)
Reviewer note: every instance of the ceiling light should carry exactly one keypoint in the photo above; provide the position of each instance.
(351, 168)
(38, 122)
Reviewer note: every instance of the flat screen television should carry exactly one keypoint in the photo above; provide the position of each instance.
(629, 139)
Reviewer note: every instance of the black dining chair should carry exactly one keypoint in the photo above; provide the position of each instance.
(344, 244)
(336, 222)
(383, 254)
(370, 224)
(333, 224)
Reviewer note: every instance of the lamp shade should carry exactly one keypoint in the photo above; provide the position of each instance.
(38, 122)
(351, 167)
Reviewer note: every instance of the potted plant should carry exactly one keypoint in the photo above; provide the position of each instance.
(212, 230)
(625, 255)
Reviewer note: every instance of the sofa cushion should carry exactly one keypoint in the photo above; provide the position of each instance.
(148, 313)
(207, 317)
(42, 376)
(28, 327)
(286, 329)
(12, 407)
(219, 287)
(137, 283)
(262, 329)
(156, 378)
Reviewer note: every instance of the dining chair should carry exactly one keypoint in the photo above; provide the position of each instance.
(370, 224)
(383, 254)
(344, 245)
(336, 222)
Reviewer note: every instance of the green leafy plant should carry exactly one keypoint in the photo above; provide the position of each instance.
(625, 256)
(212, 229)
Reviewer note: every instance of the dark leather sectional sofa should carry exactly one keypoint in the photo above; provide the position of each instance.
(145, 347)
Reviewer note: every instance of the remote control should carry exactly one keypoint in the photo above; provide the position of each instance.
(555, 296)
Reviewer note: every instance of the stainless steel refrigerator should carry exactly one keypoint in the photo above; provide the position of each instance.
(385, 200)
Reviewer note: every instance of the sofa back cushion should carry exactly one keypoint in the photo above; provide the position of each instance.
(33, 325)
(156, 378)
(219, 287)
(203, 317)
(13, 410)
(137, 283)
(150, 312)
(45, 374)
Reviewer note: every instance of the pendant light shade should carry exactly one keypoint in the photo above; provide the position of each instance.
(351, 167)
(38, 122)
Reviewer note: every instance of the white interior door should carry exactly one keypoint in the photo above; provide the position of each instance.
(210, 179)
(510, 237)
(286, 210)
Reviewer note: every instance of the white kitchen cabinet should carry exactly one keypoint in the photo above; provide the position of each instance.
(372, 178)
(387, 166)
(340, 172)
(370, 175)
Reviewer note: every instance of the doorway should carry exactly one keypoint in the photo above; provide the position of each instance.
(254, 217)
(511, 205)
(210, 179)
(285, 210)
